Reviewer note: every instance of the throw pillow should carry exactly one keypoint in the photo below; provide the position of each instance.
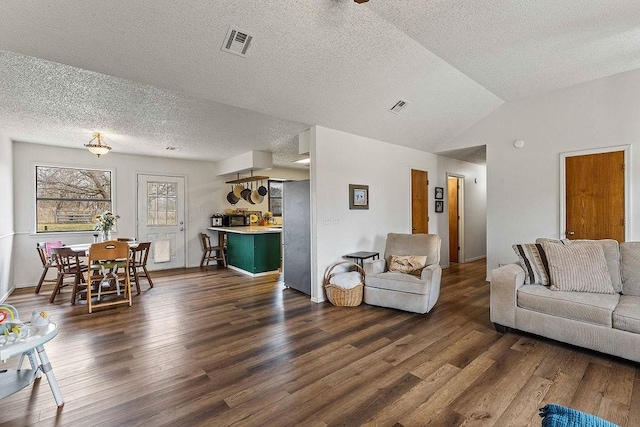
(410, 264)
(581, 268)
(534, 262)
(611, 250)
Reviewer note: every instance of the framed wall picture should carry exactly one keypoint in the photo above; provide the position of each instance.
(358, 196)
(439, 206)
(439, 193)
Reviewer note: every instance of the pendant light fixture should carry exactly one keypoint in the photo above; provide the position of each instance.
(97, 148)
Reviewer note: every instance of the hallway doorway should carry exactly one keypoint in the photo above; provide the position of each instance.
(455, 202)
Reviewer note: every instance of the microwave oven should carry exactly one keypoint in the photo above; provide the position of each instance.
(235, 220)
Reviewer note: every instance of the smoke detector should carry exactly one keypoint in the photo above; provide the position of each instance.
(237, 42)
(398, 106)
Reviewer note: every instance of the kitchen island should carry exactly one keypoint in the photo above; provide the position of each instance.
(252, 250)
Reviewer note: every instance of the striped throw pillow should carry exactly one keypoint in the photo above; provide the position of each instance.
(534, 262)
(581, 268)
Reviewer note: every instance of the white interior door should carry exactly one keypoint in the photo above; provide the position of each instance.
(161, 219)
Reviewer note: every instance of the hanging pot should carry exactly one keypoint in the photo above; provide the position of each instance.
(231, 197)
(237, 190)
(262, 190)
(246, 194)
(256, 197)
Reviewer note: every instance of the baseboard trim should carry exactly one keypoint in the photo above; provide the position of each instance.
(5, 296)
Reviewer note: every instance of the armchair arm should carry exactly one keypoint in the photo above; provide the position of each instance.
(428, 272)
(433, 274)
(505, 282)
(375, 267)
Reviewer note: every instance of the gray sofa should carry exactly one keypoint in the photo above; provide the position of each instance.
(608, 323)
(403, 291)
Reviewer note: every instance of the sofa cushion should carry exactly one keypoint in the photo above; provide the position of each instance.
(626, 316)
(611, 250)
(630, 262)
(578, 267)
(398, 282)
(534, 262)
(581, 306)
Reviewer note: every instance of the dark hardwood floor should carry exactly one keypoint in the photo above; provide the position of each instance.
(212, 347)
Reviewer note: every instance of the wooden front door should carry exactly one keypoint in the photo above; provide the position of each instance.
(419, 202)
(595, 196)
(454, 218)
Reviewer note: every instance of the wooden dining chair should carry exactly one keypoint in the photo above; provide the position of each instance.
(137, 262)
(69, 266)
(48, 261)
(105, 260)
(209, 252)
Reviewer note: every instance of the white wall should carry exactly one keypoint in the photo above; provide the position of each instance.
(339, 159)
(6, 218)
(523, 190)
(475, 209)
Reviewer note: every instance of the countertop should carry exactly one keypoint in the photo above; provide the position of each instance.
(252, 229)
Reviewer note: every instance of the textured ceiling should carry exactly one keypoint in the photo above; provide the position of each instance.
(518, 48)
(49, 103)
(158, 77)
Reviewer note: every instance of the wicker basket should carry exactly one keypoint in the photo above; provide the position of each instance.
(342, 297)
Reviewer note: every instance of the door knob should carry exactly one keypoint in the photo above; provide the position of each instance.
(570, 233)
(181, 229)
(414, 228)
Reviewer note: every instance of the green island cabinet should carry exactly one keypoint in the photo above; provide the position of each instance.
(255, 253)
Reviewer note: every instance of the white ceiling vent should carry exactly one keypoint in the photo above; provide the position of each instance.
(398, 106)
(237, 42)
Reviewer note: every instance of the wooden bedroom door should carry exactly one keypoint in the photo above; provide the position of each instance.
(595, 196)
(419, 202)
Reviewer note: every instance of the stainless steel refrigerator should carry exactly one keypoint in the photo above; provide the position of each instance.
(296, 234)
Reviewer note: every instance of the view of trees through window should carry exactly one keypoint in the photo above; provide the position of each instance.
(68, 199)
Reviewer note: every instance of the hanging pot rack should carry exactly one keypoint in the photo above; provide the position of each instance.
(248, 179)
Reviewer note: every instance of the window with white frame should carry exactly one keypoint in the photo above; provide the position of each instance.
(68, 199)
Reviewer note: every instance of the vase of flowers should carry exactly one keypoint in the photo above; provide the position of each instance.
(104, 223)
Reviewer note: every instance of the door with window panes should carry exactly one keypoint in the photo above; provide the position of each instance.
(161, 219)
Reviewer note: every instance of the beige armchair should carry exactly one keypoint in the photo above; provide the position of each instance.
(401, 290)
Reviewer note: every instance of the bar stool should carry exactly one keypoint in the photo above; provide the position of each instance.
(209, 252)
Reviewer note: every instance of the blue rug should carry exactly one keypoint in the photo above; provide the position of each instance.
(559, 416)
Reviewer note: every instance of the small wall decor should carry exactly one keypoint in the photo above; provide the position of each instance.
(439, 193)
(439, 206)
(358, 196)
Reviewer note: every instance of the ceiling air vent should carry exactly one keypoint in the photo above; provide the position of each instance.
(237, 42)
(398, 106)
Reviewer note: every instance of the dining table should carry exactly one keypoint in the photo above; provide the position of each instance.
(83, 248)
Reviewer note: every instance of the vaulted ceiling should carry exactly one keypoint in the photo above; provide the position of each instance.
(150, 74)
